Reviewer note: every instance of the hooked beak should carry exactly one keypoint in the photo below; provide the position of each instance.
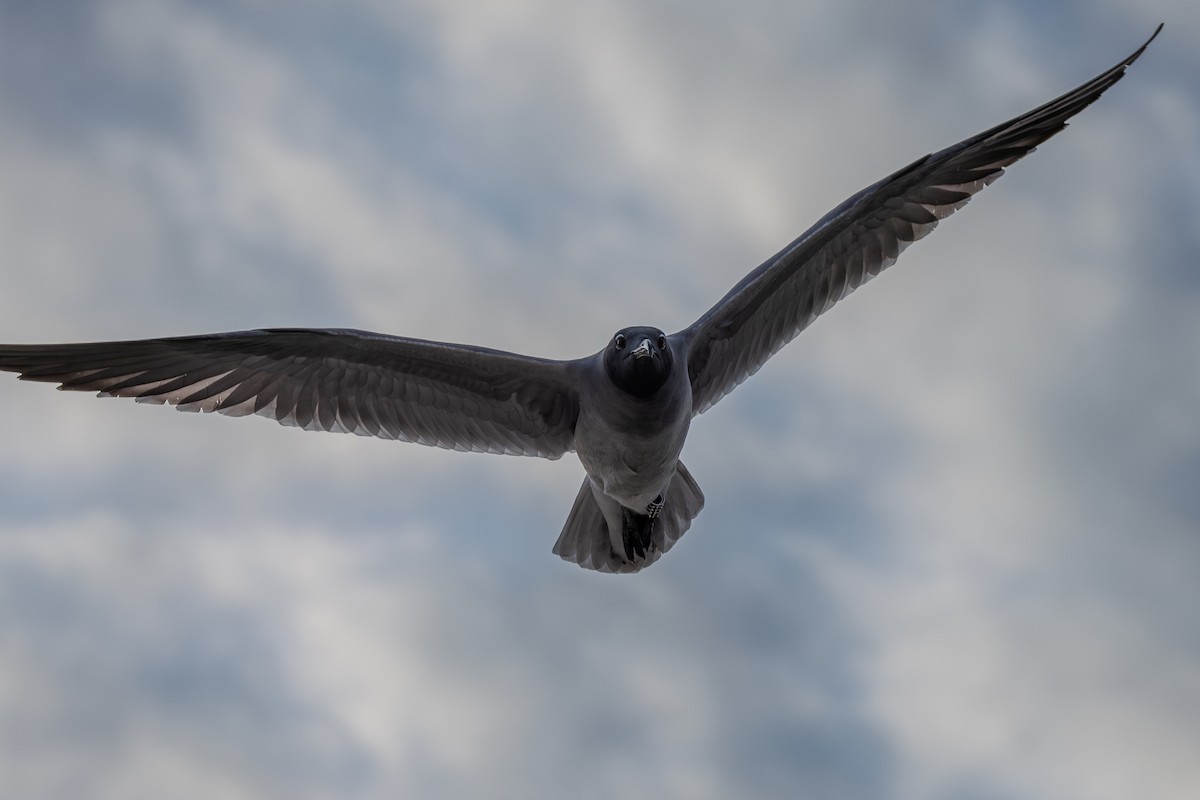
(643, 350)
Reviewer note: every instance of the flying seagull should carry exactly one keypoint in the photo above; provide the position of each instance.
(625, 410)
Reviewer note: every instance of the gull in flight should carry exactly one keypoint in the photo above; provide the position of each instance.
(625, 411)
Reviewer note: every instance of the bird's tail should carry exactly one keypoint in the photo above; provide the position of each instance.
(587, 540)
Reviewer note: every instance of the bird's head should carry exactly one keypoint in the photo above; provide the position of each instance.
(638, 360)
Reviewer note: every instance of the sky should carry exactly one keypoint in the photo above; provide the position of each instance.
(951, 547)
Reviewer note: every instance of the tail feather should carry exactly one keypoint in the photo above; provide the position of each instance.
(584, 537)
(594, 541)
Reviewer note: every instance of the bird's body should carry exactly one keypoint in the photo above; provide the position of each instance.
(625, 411)
(629, 446)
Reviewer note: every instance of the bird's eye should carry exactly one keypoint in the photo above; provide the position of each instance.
(662, 342)
(619, 341)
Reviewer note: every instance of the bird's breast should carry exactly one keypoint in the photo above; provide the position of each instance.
(631, 458)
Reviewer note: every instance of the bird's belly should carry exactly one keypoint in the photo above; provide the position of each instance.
(630, 468)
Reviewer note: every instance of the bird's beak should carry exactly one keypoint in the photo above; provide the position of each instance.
(643, 350)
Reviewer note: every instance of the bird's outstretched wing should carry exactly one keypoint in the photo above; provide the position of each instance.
(446, 395)
(858, 239)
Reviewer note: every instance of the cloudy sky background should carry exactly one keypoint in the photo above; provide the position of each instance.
(952, 540)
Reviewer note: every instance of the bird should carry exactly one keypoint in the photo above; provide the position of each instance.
(625, 410)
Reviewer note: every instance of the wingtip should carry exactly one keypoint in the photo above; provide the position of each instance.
(1137, 53)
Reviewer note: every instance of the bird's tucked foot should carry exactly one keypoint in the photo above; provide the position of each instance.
(636, 531)
(656, 506)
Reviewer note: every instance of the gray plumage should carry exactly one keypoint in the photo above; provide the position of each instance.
(625, 410)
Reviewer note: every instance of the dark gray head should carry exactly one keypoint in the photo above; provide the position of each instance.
(638, 360)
